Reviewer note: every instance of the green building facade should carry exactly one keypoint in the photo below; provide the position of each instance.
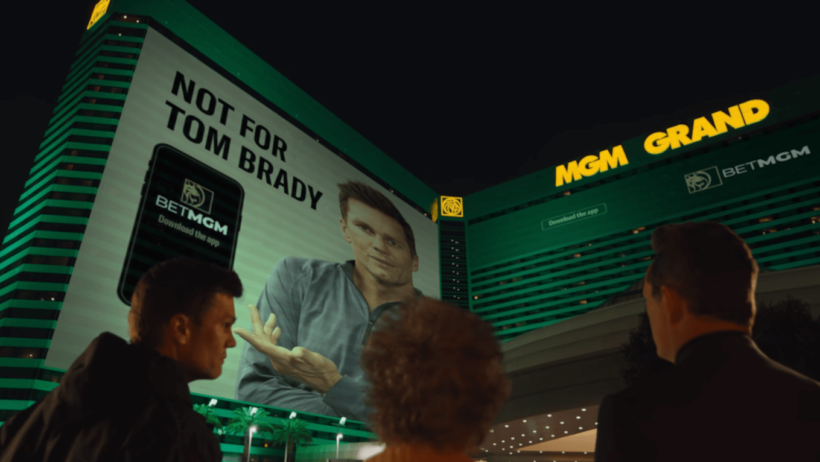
(526, 254)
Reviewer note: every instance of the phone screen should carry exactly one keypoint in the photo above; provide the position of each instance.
(187, 210)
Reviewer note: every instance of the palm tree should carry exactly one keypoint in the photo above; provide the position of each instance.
(293, 430)
(245, 418)
(210, 415)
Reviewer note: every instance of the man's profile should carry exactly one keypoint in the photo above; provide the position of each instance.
(319, 314)
(131, 402)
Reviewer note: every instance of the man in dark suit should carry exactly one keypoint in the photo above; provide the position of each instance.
(130, 402)
(724, 400)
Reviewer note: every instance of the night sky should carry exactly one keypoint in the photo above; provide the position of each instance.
(464, 97)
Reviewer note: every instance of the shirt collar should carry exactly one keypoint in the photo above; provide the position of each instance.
(710, 344)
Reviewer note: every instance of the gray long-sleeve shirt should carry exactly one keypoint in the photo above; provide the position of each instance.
(317, 307)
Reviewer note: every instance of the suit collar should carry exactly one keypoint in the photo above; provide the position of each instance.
(711, 344)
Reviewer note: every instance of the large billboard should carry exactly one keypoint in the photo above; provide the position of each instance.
(199, 167)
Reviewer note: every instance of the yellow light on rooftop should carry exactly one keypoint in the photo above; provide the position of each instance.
(99, 11)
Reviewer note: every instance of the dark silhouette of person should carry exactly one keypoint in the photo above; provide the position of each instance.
(131, 402)
(724, 400)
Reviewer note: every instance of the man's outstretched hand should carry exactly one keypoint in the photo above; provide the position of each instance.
(312, 369)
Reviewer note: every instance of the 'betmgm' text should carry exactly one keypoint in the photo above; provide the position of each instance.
(190, 214)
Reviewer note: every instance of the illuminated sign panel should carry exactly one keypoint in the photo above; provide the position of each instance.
(452, 206)
(99, 11)
(590, 165)
(739, 116)
(201, 168)
(676, 137)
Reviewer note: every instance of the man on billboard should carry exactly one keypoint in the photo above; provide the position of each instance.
(325, 311)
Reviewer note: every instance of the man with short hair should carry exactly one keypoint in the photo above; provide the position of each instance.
(121, 402)
(325, 312)
(724, 400)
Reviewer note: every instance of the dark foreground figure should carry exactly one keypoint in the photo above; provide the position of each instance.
(121, 402)
(724, 400)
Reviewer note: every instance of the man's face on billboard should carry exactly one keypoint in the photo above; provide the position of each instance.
(379, 244)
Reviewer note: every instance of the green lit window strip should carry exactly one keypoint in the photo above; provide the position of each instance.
(13, 404)
(489, 315)
(46, 219)
(95, 107)
(46, 165)
(523, 285)
(51, 203)
(57, 235)
(39, 286)
(32, 304)
(81, 107)
(576, 279)
(61, 174)
(70, 132)
(93, 53)
(85, 78)
(124, 38)
(588, 253)
(91, 71)
(81, 93)
(31, 323)
(24, 342)
(475, 272)
(39, 251)
(797, 264)
(56, 188)
(92, 38)
(28, 383)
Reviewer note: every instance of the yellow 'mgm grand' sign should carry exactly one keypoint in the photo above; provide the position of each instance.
(673, 138)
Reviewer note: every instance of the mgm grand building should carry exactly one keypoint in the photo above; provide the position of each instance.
(554, 260)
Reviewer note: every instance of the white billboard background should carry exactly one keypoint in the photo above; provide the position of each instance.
(274, 225)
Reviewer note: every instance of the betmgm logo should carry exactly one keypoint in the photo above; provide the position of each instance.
(702, 180)
(195, 196)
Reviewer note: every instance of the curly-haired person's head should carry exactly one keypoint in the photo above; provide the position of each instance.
(436, 377)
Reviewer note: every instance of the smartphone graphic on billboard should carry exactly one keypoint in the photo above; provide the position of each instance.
(187, 209)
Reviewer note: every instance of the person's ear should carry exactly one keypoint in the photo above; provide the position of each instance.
(673, 303)
(179, 329)
(343, 226)
(415, 263)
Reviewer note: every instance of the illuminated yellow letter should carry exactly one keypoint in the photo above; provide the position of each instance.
(618, 157)
(656, 143)
(748, 109)
(567, 174)
(734, 119)
(588, 166)
(677, 135)
(702, 128)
